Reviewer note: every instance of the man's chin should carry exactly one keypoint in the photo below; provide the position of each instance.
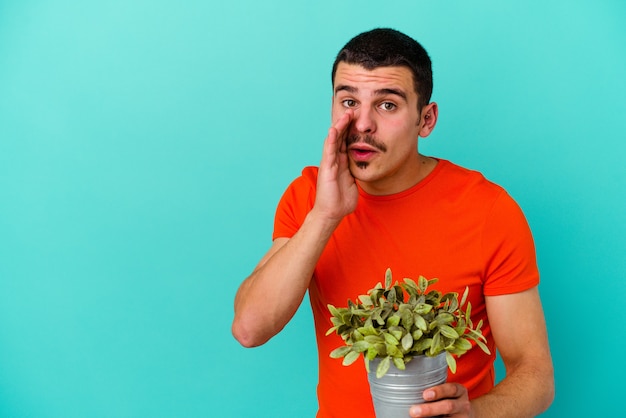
(359, 171)
(358, 168)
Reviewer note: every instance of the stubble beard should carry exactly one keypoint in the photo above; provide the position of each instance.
(366, 139)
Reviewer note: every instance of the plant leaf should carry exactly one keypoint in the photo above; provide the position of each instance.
(381, 349)
(437, 344)
(399, 363)
(448, 331)
(350, 358)
(410, 286)
(376, 316)
(388, 278)
(462, 344)
(343, 329)
(390, 339)
(420, 322)
(393, 321)
(336, 321)
(422, 284)
(444, 318)
(361, 346)
(464, 297)
(367, 330)
(374, 339)
(366, 300)
(334, 311)
(479, 326)
(393, 350)
(399, 293)
(483, 347)
(451, 362)
(383, 367)
(372, 353)
(356, 336)
(422, 346)
(407, 342)
(407, 318)
(423, 308)
(397, 332)
(340, 351)
(454, 303)
(434, 296)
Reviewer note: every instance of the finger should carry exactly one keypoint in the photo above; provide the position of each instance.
(342, 125)
(435, 409)
(343, 121)
(445, 391)
(335, 141)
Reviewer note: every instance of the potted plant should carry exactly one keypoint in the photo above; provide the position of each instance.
(401, 325)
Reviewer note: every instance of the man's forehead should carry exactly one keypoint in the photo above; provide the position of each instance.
(354, 77)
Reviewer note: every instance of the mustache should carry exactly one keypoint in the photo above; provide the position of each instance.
(366, 139)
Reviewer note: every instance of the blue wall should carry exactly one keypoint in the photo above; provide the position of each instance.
(144, 146)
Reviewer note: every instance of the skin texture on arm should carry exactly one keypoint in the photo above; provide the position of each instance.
(519, 331)
(271, 295)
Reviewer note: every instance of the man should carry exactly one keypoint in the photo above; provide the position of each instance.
(375, 202)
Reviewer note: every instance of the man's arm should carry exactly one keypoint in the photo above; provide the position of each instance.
(270, 296)
(519, 331)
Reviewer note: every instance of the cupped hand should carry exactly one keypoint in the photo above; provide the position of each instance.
(337, 193)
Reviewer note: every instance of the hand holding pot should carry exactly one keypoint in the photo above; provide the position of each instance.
(448, 399)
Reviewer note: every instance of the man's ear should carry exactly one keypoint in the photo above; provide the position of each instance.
(430, 112)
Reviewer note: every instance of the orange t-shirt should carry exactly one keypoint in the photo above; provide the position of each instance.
(453, 225)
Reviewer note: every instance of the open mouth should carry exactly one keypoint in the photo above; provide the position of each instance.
(361, 154)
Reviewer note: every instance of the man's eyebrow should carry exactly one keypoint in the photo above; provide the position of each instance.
(384, 92)
(379, 92)
(343, 87)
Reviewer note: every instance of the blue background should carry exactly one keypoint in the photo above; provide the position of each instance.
(144, 146)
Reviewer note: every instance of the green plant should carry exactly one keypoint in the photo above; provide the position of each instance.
(397, 322)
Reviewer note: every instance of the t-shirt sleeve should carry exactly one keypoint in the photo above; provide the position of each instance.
(295, 204)
(509, 250)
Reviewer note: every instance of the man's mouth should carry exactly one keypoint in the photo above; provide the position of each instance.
(361, 153)
(365, 143)
(364, 148)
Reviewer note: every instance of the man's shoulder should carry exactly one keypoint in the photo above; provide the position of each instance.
(310, 173)
(304, 185)
(455, 173)
(306, 180)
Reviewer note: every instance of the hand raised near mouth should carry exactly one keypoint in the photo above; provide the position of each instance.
(337, 192)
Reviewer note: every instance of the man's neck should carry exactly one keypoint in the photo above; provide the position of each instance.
(420, 170)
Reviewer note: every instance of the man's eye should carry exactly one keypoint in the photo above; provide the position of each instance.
(349, 103)
(387, 106)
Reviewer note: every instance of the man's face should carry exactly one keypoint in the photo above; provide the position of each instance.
(382, 137)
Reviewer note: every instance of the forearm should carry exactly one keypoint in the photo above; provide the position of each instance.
(526, 391)
(528, 388)
(271, 295)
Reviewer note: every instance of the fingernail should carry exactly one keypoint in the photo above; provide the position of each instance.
(415, 411)
(429, 395)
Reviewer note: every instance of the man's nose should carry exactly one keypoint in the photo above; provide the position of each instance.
(364, 121)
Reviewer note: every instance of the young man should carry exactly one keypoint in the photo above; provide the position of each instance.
(375, 202)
